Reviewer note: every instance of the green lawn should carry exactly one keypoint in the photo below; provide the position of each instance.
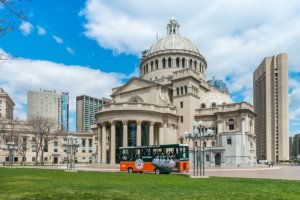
(55, 184)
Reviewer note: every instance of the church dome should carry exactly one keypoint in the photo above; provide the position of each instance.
(173, 42)
(219, 84)
(170, 54)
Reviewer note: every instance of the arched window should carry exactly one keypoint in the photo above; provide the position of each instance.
(185, 89)
(204, 143)
(164, 63)
(169, 62)
(213, 105)
(191, 63)
(156, 64)
(203, 105)
(200, 67)
(181, 89)
(151, 65)
(195, 65)
(183, 62)
(177, 62)
(177, 91)
(146, 68)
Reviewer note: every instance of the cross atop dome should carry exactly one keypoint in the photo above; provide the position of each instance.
(173, 26)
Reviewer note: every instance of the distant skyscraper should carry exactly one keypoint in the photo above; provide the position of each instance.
(297, 145)
(86, 108)
(65, 111)
(270, 94)
(6, 105)
(49, 104)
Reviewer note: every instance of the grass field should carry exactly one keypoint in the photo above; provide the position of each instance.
(55, 184)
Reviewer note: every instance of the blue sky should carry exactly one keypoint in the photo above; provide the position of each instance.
(97, 43)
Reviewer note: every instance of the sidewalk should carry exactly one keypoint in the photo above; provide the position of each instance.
(276, 172)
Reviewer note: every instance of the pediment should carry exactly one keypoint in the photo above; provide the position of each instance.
(134, 84)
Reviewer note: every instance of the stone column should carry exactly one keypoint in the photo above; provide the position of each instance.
(138, 133)
(187, 63)
(173, 63)
(243, 131)
(113, 142)
(99, 145)
(172, 135)
(160, 135)
(165, 132)
(125, 134)
(168, 139)
(151, 133)
(103, 149)
(158, 64)
(175, 134)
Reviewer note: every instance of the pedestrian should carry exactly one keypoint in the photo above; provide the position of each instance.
(269, 163)
(272, 163)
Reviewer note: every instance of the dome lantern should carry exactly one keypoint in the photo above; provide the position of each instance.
(173, 27)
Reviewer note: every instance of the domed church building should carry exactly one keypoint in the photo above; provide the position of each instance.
(160, 106)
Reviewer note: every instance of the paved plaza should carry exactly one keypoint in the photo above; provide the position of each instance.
(277, 172)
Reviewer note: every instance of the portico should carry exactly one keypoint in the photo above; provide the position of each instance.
(133, 124)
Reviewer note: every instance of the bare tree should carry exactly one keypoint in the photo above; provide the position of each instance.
(4, 58)
(44, 132)
(7, 134)
(23, 146)
(7, 128)
(12, 17)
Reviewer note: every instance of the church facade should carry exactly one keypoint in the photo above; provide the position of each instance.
(161, 105)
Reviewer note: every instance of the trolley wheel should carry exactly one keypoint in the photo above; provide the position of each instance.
(157, 171)
(130, 170)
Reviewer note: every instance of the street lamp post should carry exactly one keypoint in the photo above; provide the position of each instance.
(72, 145)
(198, 135)
(11, 148)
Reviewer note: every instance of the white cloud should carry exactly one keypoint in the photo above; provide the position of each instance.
(122, 33)
(70, 50)
(17, 80)
(294, 101)
(25, 28)
(41, 30)
(57, 39)
(234, 36)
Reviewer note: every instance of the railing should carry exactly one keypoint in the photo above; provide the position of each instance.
(174, 51)
(137, 106)
(225, 108)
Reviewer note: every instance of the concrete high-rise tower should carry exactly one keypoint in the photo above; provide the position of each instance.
(49, 104)
(270, 94)
(86, 108)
